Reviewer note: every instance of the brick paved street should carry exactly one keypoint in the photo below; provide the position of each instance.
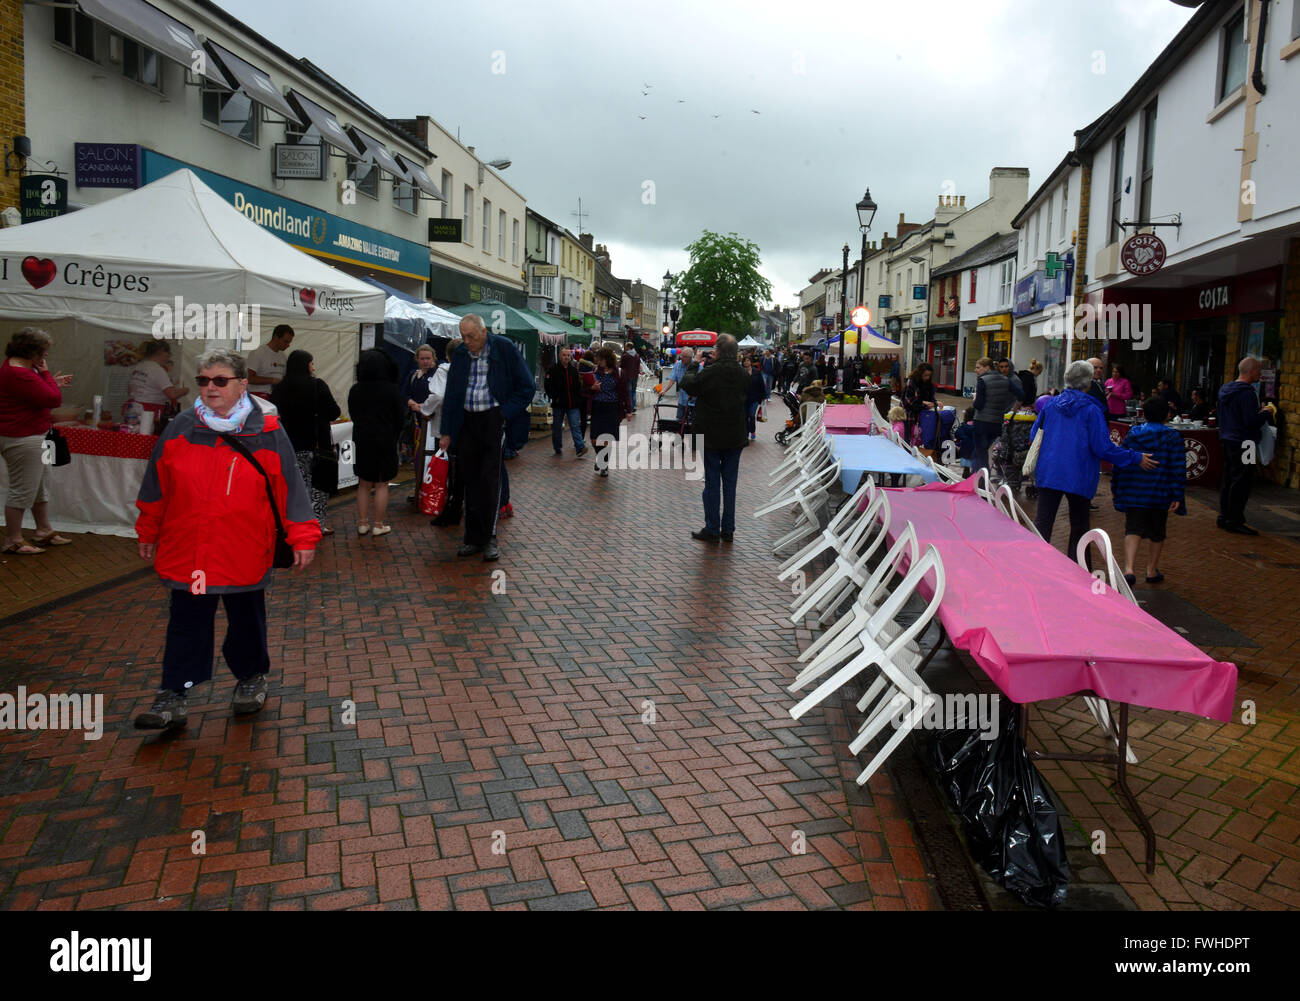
(521, 712)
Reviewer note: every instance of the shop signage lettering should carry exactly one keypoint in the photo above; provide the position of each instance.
(445, 230)
(303, 161)
(43, 196)
(41, 271)
(309, 300)
(1215, 298)
(1143, 254)
(107, 165)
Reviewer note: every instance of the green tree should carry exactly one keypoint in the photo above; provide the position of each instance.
(721, 289)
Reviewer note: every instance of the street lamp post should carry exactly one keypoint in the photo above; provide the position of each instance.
(866, 213)
(844, 292)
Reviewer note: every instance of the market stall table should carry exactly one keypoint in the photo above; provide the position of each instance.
(1204, 455)
(859, 454)
(1035, 624)
(848, 418)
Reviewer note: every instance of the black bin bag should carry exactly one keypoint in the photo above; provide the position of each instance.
(1010, 822)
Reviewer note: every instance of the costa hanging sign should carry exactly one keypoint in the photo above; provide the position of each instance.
(696, 339)
(1143, 254)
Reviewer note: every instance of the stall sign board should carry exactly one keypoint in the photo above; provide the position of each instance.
(43, 196)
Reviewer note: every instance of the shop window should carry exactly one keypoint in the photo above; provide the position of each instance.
(233, 112)
(75, 30)
(365, 175)
(1148, 161)
(404, 195)
(1117, 189)
(1233, 58)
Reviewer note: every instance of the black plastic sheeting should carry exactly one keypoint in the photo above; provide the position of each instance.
(1010, 822)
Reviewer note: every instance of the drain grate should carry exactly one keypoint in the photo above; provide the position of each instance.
(1195, 625)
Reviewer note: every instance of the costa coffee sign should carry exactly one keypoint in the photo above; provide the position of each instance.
(1143, 254)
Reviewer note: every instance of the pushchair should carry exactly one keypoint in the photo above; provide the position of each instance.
(1007, 454)
(813, 394)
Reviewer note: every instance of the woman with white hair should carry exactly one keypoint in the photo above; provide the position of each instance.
(1076, 442)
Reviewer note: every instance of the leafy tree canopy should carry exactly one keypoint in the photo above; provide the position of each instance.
(722, 289)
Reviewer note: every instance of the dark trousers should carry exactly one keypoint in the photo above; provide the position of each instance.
(721, 468)
(187, 656)
(986, 433)
(480, 448)
(1234, 489)
(1049, 502)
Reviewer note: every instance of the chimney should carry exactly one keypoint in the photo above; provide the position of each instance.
(585, 239)
(900, 219)
(963, 201)
(470, 148)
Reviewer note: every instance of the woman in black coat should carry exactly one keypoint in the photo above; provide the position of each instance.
(377, 410)
(306, 408)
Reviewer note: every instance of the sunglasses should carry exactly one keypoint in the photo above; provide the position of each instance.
(220, 381)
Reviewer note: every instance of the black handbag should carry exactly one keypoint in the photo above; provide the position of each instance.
(324, 462)
(283, 551)
(62, 454)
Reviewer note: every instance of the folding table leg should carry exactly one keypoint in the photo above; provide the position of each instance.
(1121, 781)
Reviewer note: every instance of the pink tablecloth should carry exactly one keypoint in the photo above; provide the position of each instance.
(847, 418)
(1033, 621)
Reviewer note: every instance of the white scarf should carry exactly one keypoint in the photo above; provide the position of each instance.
(226, 425)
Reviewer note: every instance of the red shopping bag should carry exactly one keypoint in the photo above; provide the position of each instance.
(433, 488)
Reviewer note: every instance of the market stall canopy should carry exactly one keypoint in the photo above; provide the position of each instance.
(549, 330)
(127, 263)
(408, 322)
(872, 343)
(507, 322)
(749, 342)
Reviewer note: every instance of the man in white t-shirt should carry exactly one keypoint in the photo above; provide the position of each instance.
(266, 364)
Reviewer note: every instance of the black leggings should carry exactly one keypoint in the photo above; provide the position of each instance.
(1049, 502)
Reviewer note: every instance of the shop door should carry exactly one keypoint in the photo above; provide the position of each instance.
(1155, 361)
(943, 356)
(1203, 358)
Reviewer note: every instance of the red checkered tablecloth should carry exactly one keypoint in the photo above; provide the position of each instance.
(114, 444)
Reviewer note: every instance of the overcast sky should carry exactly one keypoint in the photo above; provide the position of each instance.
(898, 96)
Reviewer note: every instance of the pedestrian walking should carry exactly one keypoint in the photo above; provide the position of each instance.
(221, 483)
(1148, 498)
(28, 391)
(755, 397)
(432, 408)
(609, 406)
(1241, 423)
(306, 408)
(564, 388)
(377, 410)
(768, 370)
(993, 398)
(918, 398)
(1076, 441)
(630, 364)
(720, 391)
(488, 385)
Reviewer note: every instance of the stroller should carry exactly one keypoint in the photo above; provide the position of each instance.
(812, 394)
(1007, 454)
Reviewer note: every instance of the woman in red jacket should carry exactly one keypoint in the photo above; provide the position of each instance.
(27, 393)
(206, 523)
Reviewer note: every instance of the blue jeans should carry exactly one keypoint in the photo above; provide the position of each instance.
(751, 413)
(721, 468)
(557, 427)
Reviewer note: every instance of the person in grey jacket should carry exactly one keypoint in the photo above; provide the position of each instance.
(720, 391)
(994, 396)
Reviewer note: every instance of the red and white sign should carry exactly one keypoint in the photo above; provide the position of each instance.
(1143, 254)
(696, 339)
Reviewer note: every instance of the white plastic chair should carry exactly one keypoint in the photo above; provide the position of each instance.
(982, 488)
(1097, 706)
(811, 500)
(851, 562)
(833, 536)
(817, 460)
(898, 660)
(1005, 501)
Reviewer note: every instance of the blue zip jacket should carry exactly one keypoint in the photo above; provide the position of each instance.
(1240, 418)
(965, 437)
(1153, 488)
(509, 381)
(1077, 441)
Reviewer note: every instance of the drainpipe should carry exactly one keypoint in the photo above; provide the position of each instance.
(1257, 78)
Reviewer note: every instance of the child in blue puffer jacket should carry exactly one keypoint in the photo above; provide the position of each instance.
(1148, 497)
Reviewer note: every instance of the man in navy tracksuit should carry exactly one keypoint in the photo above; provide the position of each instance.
(1241, 419)
(564, 387)
(488, 386)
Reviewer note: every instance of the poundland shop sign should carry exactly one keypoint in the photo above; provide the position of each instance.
(305, 226)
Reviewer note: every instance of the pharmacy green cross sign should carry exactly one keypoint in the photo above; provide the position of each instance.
(1054, 265)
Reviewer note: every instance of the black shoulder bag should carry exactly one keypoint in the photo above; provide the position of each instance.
(62, 454)
(283, 551)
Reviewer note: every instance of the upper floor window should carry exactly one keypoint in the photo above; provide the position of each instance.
(1065, 206)
(487, 226)
(1051, 204)
(97, 42)
(1233, 60)
(1117, 189)
(365, 175)
(1008, 282)
(236, 114)
(404, 195)
(446, 190)
(75, 30)
(501, 234)
(467, 230)
(514, 242)
(1148, 161)
(973, 273)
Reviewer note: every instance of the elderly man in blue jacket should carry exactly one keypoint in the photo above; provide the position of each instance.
(1241, 420)
(489, 385)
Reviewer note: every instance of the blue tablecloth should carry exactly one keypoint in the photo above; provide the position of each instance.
(860, 454)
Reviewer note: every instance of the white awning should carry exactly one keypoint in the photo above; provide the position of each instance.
(324, 122)
(255, 83)
(144, 23)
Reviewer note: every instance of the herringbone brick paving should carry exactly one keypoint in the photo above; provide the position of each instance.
(499, 757)
(521, 713)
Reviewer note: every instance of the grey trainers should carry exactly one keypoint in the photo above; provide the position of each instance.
(250, 695)
(168, 712)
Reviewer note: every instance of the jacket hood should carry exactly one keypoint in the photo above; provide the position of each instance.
(1071, 401)
(1235, 388)
(1143, 436)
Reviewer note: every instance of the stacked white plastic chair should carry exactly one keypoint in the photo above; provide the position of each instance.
(1005, 501)
(849, 570)
(1115, 577)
